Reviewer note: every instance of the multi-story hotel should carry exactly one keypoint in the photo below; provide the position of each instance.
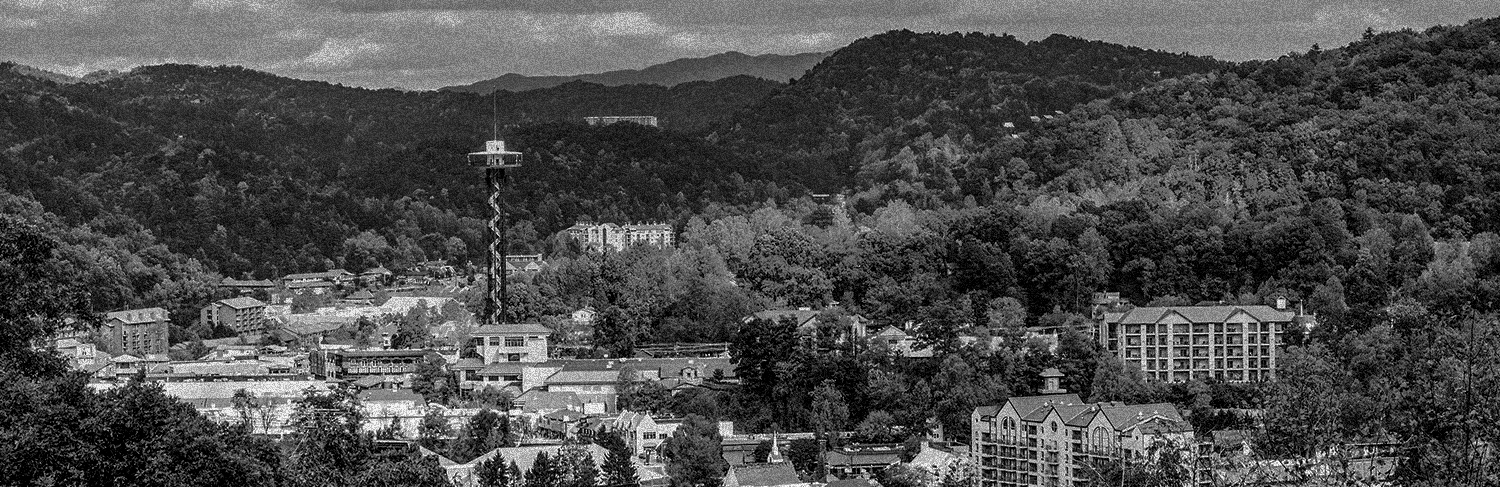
(1056, 439)
(137, 332)
(601, 236)
(1182, 343)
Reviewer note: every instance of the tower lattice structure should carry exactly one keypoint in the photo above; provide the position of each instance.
(496, 162)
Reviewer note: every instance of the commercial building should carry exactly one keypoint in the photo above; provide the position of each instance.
(506, 356)
(358, 364)
(1181, 343)
(1056, 439)
(138, 332)
(244, 315)
(602, 236)
(647, 120)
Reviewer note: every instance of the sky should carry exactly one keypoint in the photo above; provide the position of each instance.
(426, 44)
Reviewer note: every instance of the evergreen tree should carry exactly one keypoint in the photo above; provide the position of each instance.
(493, 473)
(619, 470)
(695, 454)
(544, 472)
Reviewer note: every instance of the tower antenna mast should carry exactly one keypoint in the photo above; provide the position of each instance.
(496, 162)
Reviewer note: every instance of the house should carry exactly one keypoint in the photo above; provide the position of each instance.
(316, 288)
(561, 424)
(244, 315)
(863, 461)
(584, 316)
(644, 433)
(361, 297)
(246, 285)
(808, 323)
(1054, 438)
(900, 342)
(136, 331)
(543, 402)
(375, 275)
(334, 276)
(523, 264)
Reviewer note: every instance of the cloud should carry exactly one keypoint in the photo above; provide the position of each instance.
(432, 43)
(338, 52)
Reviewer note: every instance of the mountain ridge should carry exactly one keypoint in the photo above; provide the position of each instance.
(774, 67)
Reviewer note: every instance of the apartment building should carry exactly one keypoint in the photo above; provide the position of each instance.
(1181, 343)
(602, 236)
(244, 315)
(507, 356)
(137, 332)
(1056, 439)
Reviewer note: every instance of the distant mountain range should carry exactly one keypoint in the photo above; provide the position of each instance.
(775, 67)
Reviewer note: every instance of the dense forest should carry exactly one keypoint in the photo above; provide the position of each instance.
(1360, 181)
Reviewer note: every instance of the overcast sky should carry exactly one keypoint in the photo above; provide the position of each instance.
(423, 44)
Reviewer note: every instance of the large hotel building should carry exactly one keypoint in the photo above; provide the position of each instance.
(1181, 343)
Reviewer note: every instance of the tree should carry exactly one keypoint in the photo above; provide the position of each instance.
(405, 468)
(544, 472)
(619, 470)
(433, 381)
(804, 453)
(577, 467)
(327, 446)
(434, 430)
(830, 412)
(492, 472)
(877, 427)
(695, 454)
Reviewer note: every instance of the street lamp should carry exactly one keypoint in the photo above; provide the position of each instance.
(496, 162)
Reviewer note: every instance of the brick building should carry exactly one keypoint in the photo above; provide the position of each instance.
(136, 332)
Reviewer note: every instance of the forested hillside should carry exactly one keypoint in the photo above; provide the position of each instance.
(773, 67)
(867, 101)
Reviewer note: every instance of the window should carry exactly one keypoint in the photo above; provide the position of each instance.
(494, 341)
(513, 357)
(515, 341)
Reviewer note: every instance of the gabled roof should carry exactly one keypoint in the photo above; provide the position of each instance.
(584, 377)
(539, 400)
(1199, 314)
(376, 270)
(1124, 417)
(362, 294)
(1034, 408)
(137, 316)
(763, 475)
(890, 331)
(468, 364)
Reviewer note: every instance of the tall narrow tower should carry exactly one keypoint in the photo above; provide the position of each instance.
(496, 162)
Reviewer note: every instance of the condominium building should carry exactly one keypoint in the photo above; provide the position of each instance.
(137, 332)
(1181, 343)
(1056, 439)
(601, 236)
(244, 315)
(646, 120)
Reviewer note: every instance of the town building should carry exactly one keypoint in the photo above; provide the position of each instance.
(1057, 439)
(523, 264)
(334, 276)
(503, 355)
(1236, 343)
(247, 285)
(608, 236)
(863, 461)
(808, 322)
(645, 433)
(358, 364)
(244, 315)
(136, 332)
(647, 120)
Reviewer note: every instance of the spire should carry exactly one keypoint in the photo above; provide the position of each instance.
(775, 456)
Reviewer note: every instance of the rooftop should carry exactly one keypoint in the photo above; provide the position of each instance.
(1199, 314)
(138, 316)
(242, 302)
(511, 329)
